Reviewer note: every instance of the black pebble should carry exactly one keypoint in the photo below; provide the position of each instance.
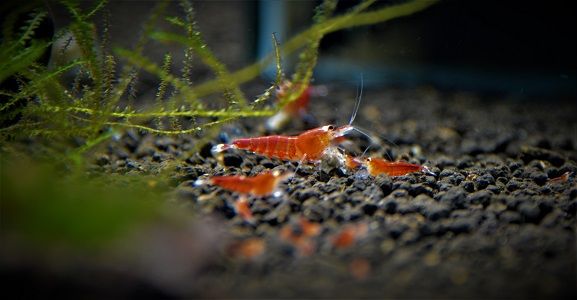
(157, 157)
(390, 206)
(468, 186)
(573, 193)
(436, 211)
(484, 181)
(460, 226)
(467, 162)
(103, 160)
(397, 229)
(206, 150)
(132, 165)
(232, 160)
(121, 154)
(444, 186)
(498, 172)
(513, 185)
(571, 208)
(446, 173)
(385, 184)
(369, 209)
(417, 189)
(267, 164)
(494, 189)
(510, 217)
(454, 197)
(539, 178)
(514, 165)
(481, 197)
(530, 212)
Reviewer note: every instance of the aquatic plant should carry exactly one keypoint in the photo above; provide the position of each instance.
(99, 101)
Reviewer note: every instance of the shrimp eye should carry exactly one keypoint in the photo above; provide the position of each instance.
(331, 127)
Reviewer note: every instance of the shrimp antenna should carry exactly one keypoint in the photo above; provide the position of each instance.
(366, 149)
(370, 137)
(358, 104)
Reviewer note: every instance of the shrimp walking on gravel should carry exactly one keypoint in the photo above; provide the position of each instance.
(376, 166)
(261, 185)
(308, 146)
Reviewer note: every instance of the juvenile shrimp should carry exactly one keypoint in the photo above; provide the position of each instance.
(377, 166)
(348, 235)
(260, 185)
(296, 108)
(300, 235)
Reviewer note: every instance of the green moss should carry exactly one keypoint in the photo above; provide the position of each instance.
(71, 211)
(99, 101)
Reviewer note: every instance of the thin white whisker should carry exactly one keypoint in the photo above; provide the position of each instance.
(358, 104)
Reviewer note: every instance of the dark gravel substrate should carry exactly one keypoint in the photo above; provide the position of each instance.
(498, 220)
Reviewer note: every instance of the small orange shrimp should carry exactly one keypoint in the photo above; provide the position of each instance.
(352, 162)
(261, 185)
(300, 235)
(248, 249)
(360, 268)
(348, 235)
(295, 109)
(377, 166)
(563, 178)
(242, 208)
(300, 104)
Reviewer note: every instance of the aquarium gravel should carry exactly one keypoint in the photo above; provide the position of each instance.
(497, 220)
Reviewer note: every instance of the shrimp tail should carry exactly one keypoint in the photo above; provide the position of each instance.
(217, 149)
(202, 181)
(427, 171)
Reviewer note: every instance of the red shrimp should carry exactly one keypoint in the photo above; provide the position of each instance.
(260, 185)
(377, 166)
(300, 104)
(242, 208)
(308, 146)
(349, 234)
(295, 109)
(563, 178)
(300, 235)
(352, 162)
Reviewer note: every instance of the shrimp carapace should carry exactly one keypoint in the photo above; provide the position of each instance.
(307, 146)
(377, 166)
(260, 185)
